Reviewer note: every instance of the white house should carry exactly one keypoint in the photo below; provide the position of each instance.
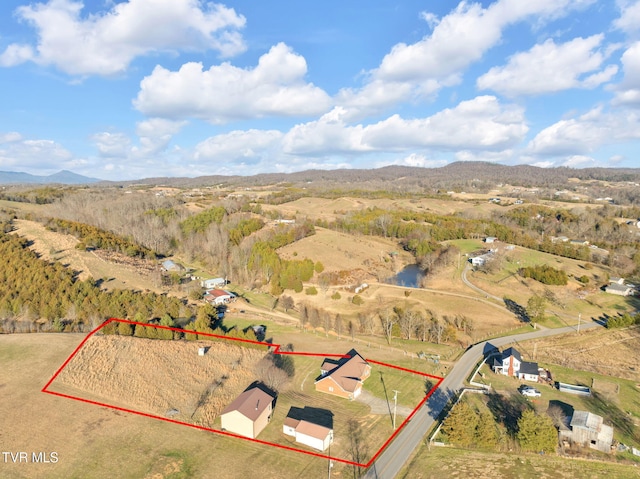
(219, 296)
(619, 289)
(213, 283)
(510, 363)
(306, 431)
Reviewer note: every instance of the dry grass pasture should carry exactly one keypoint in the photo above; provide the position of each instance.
(598, 350)
(158, 376)
(339, 251)
(94, 442)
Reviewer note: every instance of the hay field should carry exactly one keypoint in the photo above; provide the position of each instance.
(338, 251)
(160, 376)
(603, 351)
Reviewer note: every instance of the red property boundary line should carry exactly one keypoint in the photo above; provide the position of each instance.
(276, 350)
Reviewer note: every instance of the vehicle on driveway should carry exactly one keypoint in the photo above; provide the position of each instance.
(530, 392)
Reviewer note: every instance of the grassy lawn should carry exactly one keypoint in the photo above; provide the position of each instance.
(440, 462)
(467, 245)
(616, 400)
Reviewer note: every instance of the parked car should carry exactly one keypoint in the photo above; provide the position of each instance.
(531, 392)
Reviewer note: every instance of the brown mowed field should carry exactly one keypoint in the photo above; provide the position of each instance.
(338, 251)
(96, 442)
(603, 351)
(161, 376)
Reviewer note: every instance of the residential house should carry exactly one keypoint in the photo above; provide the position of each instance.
(490, 239)
(481, 260)
(249, 413)
(172, 267)
(619, 289)
(219, 296)
(307, 430)
(343, 377)
(588, 429)
(510, 363)
(213, 283)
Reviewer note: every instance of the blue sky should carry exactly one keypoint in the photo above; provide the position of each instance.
(141, 88)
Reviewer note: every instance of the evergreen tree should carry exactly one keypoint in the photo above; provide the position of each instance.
(460, 425)
(536, 433)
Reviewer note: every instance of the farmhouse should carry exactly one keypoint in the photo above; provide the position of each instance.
(619, 289)
(344, 377)
(213, 283)
(481, 260)
(490, 239)
(219, 296)
(510, 363)
(172, 266)
(249, 413)
(308, 428)
(588, 429)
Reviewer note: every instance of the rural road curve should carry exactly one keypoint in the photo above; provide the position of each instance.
(400, 450)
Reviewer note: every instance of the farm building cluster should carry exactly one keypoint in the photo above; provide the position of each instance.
(252, 410)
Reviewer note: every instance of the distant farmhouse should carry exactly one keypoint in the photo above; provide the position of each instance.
(617, 286)
(510, 363)
(249, 413)
(344, 377)
(482, 259)
(587, 429)
(219, 296)
(172, 267)
(213, 283)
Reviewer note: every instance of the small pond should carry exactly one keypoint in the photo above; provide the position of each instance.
(409, 277)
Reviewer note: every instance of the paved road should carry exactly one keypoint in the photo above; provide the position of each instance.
(394, 457)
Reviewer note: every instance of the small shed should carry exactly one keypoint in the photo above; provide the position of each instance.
(202, 351)
(172, 266)
(490, 239)
(588, 429)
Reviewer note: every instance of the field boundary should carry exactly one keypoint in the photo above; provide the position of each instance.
(276, 350)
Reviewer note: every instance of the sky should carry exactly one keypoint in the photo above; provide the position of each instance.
(123, 90)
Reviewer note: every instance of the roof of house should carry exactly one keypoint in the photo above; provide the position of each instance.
(511, 352)
(617, 287)
(250, 403)
(313, 430)
(587, 420)
(529, 368)
(218, 293)
(348, 372)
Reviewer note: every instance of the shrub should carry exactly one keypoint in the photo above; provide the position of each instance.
(357, 300)
(545, 274)
(311, 291)
(336, 296)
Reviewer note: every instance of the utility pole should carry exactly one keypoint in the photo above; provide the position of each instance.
(330, 466)
(395, 406)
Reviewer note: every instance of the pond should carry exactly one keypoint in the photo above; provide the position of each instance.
(409, 277)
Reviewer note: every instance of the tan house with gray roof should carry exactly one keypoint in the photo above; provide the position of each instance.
(249, 413)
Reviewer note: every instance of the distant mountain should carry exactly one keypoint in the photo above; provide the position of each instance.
(63, 177)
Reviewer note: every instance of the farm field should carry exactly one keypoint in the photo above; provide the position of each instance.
(162, 377)
(439, 462)
(94, 442)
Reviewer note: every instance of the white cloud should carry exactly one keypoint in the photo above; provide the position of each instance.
(460, 38)
(244, 146)
(34, 156)
(628, 91)
(155, 134)
(275, 87)
(112, 144)
(578, 161)
(481, 123)
(548, 67)
(15, 55)
(106, 43)
(583, 135)
(629, 21)
(10, 137)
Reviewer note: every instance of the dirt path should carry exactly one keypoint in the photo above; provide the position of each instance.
(60, 247)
